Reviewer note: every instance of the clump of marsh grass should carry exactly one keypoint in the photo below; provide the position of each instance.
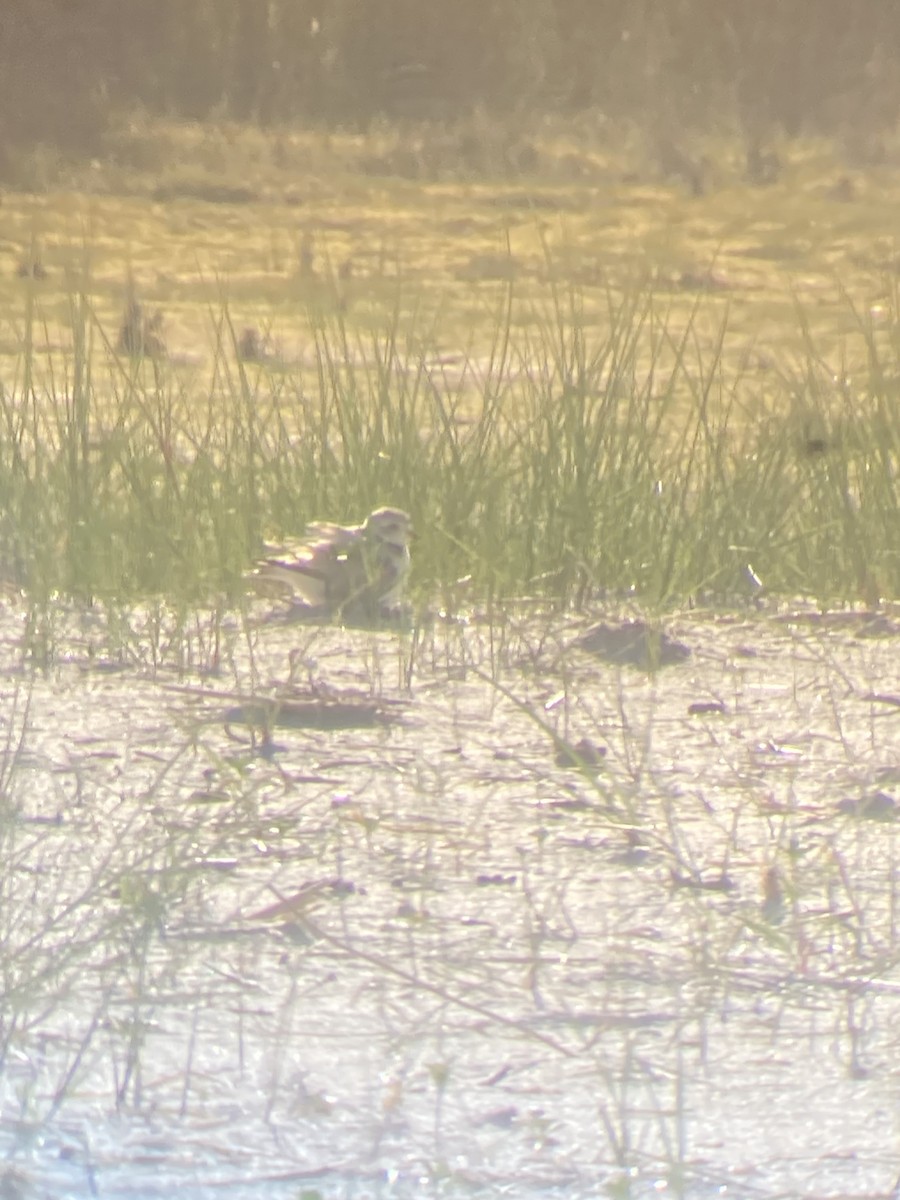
(630, 457)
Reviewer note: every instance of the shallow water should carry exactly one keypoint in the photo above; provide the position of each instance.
(488, 974)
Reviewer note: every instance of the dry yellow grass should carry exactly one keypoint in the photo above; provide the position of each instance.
(310, 222)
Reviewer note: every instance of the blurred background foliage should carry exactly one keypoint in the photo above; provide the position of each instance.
(791, 67)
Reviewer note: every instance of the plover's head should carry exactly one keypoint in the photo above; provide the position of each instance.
(389, 525)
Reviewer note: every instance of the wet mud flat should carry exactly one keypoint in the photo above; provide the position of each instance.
(462, 909)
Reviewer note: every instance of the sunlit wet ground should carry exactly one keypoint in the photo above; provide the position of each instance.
(420, 957)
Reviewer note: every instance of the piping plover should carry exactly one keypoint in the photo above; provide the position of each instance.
(350, 571)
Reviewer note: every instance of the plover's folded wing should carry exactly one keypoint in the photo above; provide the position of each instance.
(300, 567)
(341, 537)
(324, 574)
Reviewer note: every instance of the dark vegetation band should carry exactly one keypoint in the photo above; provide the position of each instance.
(787, 65)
